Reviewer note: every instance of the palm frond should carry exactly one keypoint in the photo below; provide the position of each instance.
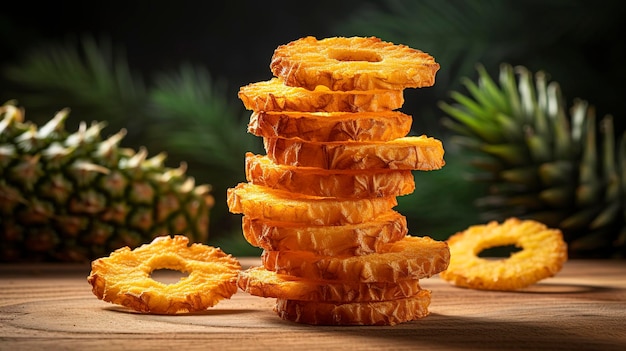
(193, 117)
(92, 78)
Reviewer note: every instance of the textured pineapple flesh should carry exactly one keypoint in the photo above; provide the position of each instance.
(274, 205)
(389, 312)
(326, 240)
(262, 282)
(408, 258)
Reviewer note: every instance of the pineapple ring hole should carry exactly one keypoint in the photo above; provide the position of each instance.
(355, 55)
(168, 275)
(499, 251)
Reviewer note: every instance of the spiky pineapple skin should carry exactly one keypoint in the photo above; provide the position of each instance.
(74, 197)
(542, 160)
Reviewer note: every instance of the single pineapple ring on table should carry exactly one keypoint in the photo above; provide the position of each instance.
(326, 240)
(275, 205)
(331, 126)
(542, 255)
(259, 281)
(352, 63)
(414, 153)
(408, 258)
(260, 170)
(388, 312)
(123, 277)
(275, 96)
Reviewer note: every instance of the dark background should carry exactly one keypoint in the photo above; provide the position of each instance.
(578, 43)
(234, 39)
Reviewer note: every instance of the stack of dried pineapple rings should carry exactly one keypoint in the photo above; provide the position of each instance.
(320, 202)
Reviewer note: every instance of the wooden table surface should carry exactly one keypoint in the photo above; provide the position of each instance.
(51, 307)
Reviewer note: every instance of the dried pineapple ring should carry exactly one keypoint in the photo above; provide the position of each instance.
(390, 312)
(123, 277)
(408, 258)
(275, 205)
(414, 152)
(349, 239)
(274, 95)
(331, 126)
(259, 281)
(542, 255)
(260, 170)
(353, 63)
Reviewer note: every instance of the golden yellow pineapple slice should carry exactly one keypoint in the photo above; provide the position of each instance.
(542, 255)
(331, 126)
(124, 277)
(274, 95)
(259, 281)
(260, 170)
(348, 239)
(352, 63)
(408, 258)
(269, 204)
(389, 312)
(414, 153)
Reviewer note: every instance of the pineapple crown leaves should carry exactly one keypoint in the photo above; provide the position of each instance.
(542, 160)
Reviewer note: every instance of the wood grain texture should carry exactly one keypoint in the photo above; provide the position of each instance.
(582, 308)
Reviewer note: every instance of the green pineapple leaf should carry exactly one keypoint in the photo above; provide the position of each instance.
(547, 162)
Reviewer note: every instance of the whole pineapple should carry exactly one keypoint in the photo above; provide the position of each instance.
(541, 162)
(76, 196)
